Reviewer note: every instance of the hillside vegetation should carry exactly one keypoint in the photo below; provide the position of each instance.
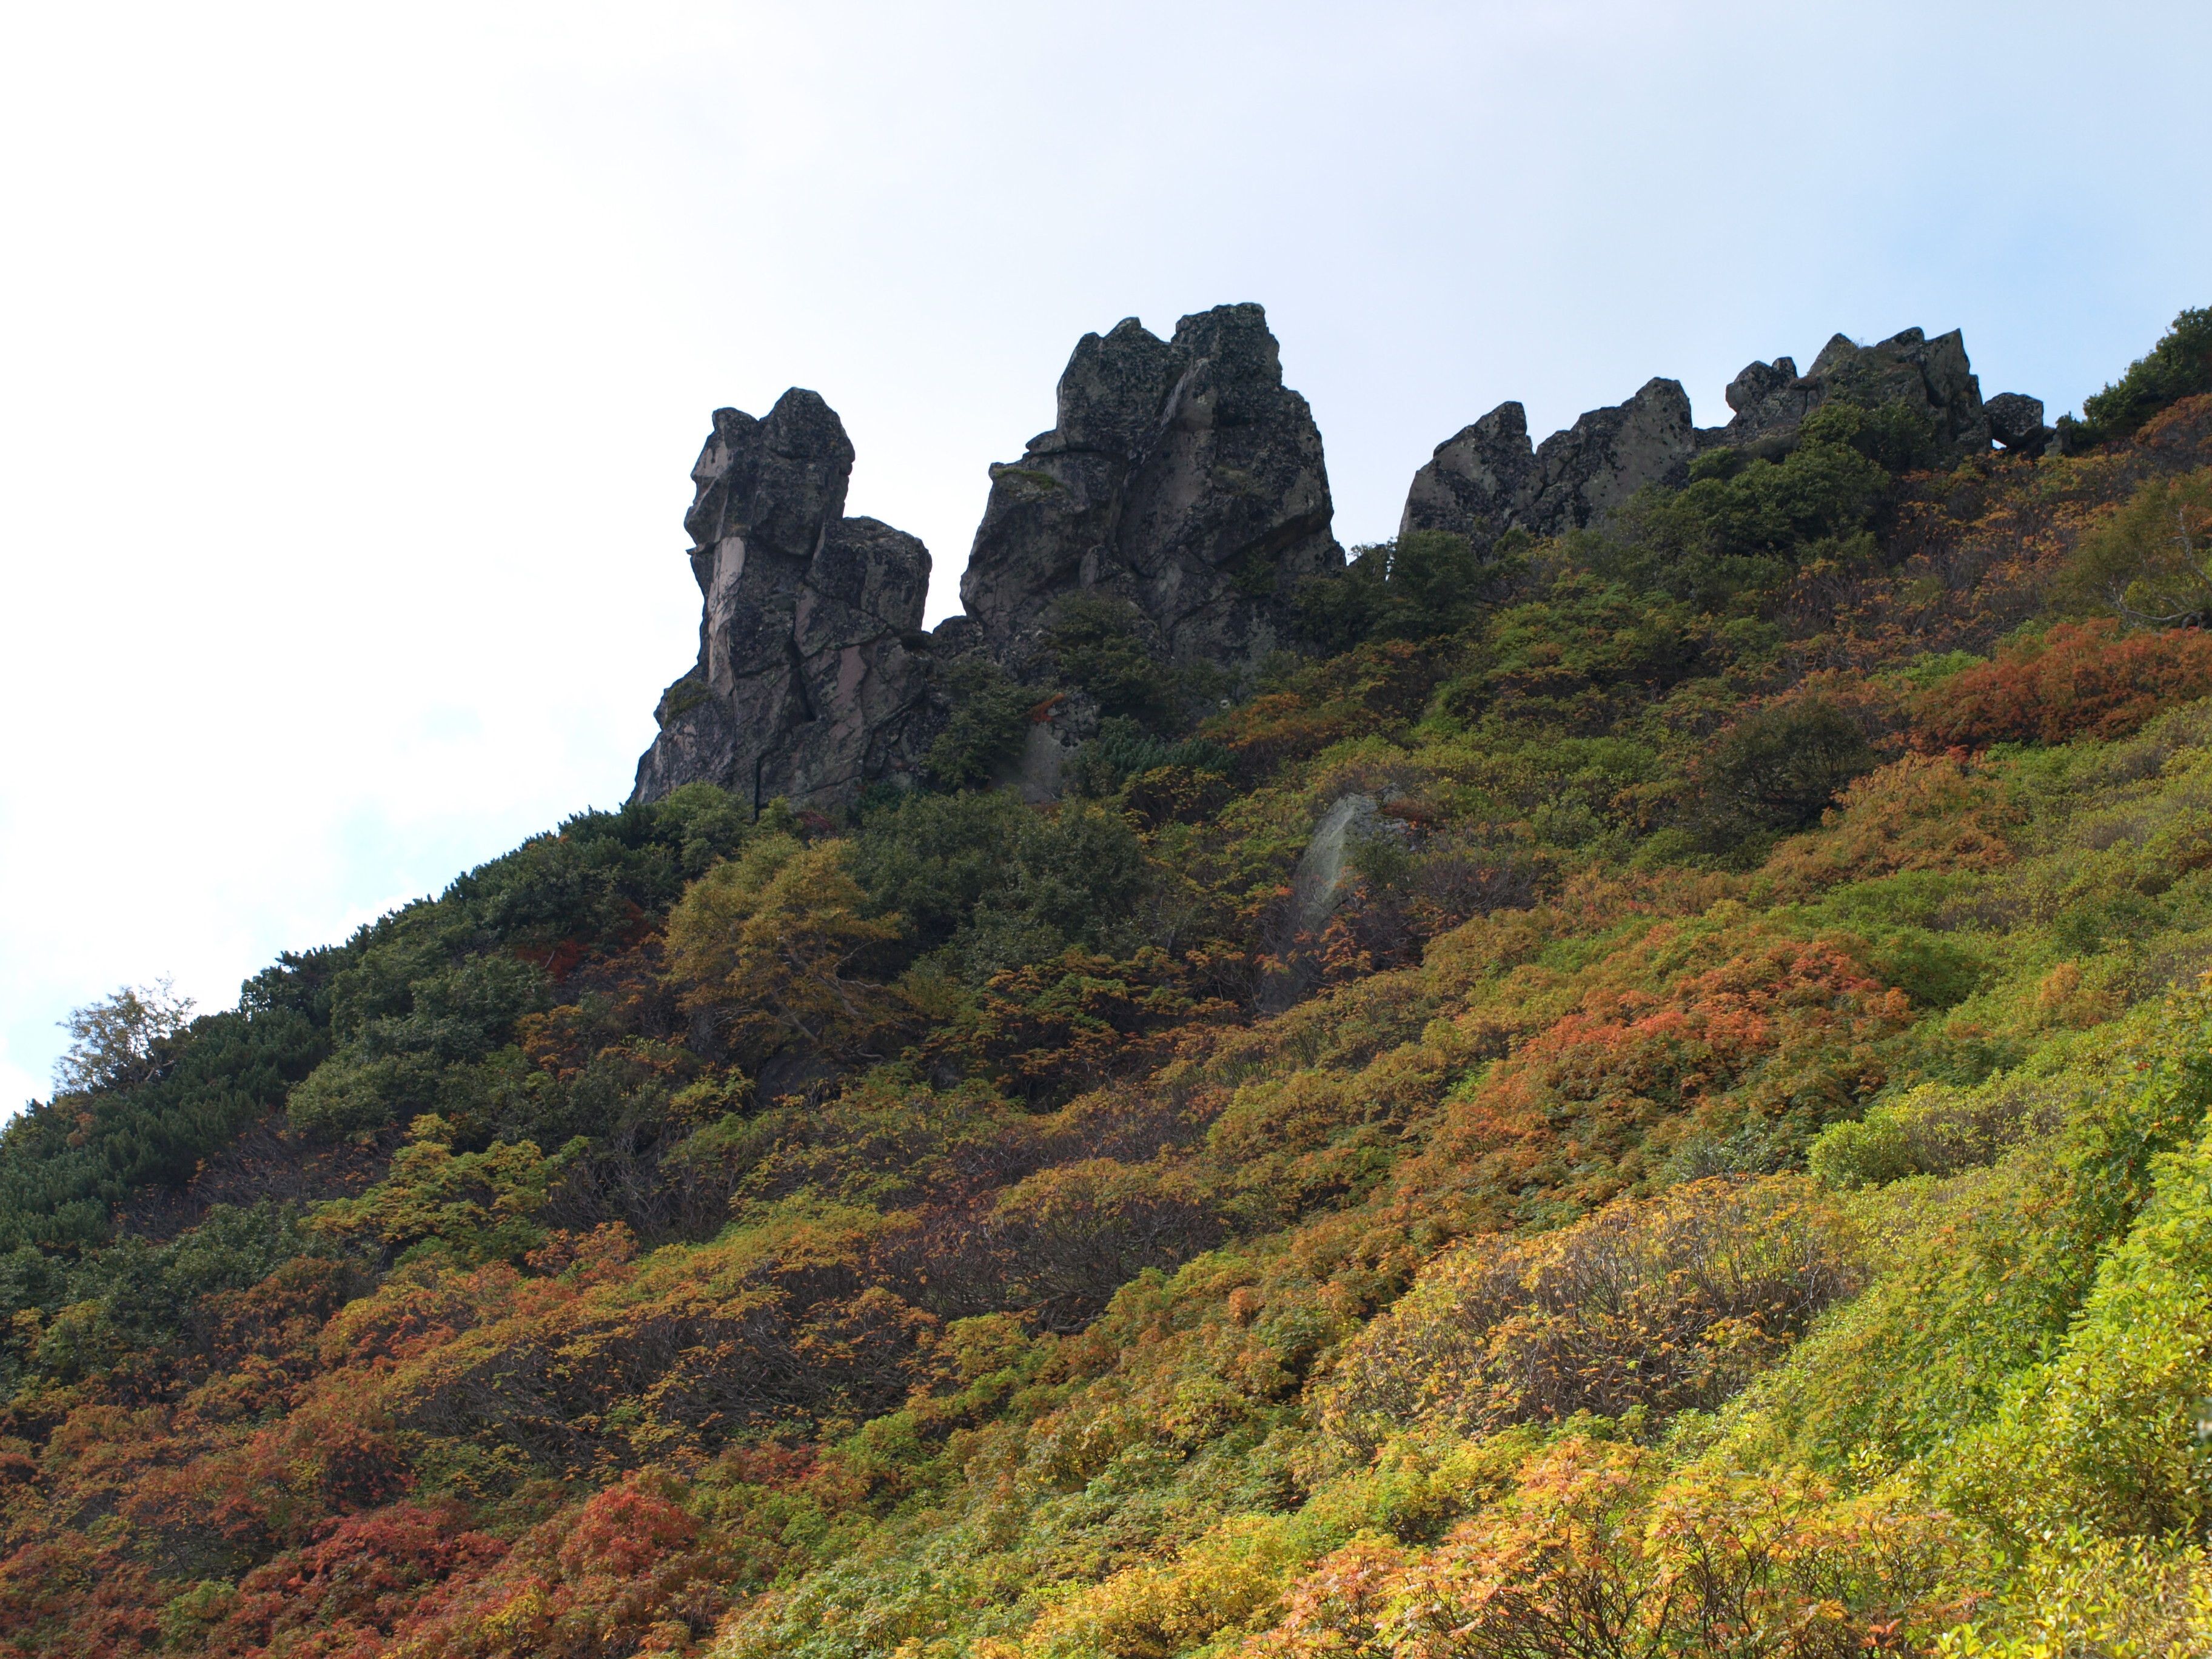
(1730, 1177)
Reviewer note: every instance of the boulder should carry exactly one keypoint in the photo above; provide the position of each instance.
(2016, 422)
(813, 679)
(1181, 476)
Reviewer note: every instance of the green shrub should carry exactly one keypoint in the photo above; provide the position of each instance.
(2179, 366)
(1423, 584)
(1096, 644)
(991, 717)
(1779, 769)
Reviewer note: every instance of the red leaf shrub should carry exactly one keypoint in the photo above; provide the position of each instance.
(2081, 679)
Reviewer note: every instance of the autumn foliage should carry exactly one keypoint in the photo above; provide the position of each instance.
(1718, 1168)
(2079, 679)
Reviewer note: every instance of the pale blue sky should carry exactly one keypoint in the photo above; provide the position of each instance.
(351, 363)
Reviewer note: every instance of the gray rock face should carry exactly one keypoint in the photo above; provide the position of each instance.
(812, 678)
(2016, 422)
(1489, 478)
(1181, 476)
(1771, 400)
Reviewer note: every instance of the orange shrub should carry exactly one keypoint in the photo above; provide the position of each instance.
(1595, 1558)
(1775, 1040)
(2081, 679)
(1922, 812)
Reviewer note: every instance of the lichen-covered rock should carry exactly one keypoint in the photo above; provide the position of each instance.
(1181, 476)
(1478, 480)
(813, 677)
(1609, 454)
(1489, 478)
(1769, 402)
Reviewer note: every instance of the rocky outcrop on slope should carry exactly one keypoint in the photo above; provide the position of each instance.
(1488, 477)
(1182, 476)
(1770, 401)
(1181, 479)
(813, 677)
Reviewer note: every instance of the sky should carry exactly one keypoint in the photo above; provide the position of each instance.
(353, 359)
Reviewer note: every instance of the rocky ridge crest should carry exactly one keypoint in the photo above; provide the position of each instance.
(1184, 481)
(1488, 477)
(1181, 479)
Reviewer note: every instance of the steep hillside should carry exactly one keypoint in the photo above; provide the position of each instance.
(1643, 1092)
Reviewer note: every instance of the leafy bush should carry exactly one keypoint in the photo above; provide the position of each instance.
(1656, 1307)
(1423, 584)
(994, 885)
(1598, 1555)
(2179, 366)
(2151, 562)
(2079, 679)
(991, 717)
(778, 943)
(1097, 646)
(1735, 534)
(1122, 750)
(1938, 1130)
(1780, 768)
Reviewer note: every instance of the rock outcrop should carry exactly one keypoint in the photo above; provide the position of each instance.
(1770, 401)
(813, 679)
(2016, 422)
(1182, 479)
(1182, 476)
(1488, 477)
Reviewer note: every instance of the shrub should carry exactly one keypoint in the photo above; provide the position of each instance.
(1599, 1556)
(1781, 768)
(776, 944)
(1919, 812)
(992, 885)
(2106, 1435)
(1096, 645)
(991, 717)
(2151, 562)
(1423, 584)
(2179, 366)
(2079, 680)
(1659, 1304)
(1122, 750)
(1938, 1130)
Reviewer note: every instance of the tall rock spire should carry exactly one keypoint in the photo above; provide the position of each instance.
(810, 678)
(1182, 476)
